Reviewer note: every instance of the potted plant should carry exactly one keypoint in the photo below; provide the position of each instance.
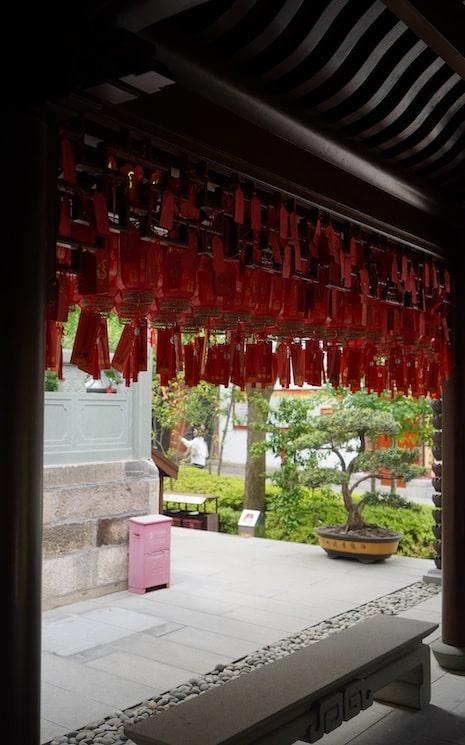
(340, 447)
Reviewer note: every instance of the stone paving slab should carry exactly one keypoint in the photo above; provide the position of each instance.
(125, 619)
(197, 601)
(157, 675)
(49, 730)
(171, 652)
(71, 634)
(114, 691)
(226, 646)
(71, 709)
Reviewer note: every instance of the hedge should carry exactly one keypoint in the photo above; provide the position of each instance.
(323, 507)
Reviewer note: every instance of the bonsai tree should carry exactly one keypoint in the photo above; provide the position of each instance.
(348, 433)
(414, 416)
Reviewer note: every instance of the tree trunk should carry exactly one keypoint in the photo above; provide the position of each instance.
(346, 498)
(393, 487)
(255, 467)
(225, 430)
(354, 516)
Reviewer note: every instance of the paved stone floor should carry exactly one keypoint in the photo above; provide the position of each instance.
(229, 596)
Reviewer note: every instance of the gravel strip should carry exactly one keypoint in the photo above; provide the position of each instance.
(109, 731)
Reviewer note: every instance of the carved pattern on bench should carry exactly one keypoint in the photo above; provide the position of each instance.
(329, 713)
(358, 696)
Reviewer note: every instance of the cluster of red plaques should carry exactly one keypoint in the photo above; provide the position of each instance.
(234, 282)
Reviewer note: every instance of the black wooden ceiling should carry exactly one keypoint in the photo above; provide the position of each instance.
(361, 101)
(352, 66)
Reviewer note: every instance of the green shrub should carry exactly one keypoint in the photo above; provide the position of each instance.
(228, 489)
(322, 507)
(390, 500)
(51, 382)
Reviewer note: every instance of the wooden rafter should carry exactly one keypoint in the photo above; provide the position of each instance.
(443, 29)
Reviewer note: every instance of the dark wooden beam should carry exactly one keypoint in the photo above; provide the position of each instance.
(440, 25)
(181, 121)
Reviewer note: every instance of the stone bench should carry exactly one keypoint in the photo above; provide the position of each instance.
(307, 694)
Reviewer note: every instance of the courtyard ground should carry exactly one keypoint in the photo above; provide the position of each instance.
(229, 596)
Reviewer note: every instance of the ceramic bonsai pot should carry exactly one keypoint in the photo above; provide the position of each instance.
(367, 548)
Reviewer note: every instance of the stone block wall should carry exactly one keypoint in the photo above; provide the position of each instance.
(85, 531)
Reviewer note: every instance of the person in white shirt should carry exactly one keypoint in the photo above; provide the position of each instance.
(197, 449)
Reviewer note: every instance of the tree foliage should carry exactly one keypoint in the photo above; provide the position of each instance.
(177, 403)
(304, 440)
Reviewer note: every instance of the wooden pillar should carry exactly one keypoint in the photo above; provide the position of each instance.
(451, 652)
(28, 224)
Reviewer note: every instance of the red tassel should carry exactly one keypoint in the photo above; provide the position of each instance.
(63, 256)
(277, 294)
(298, 364)
(239, 206)
(369, 367)
(264, 364)
(334, 366)
(300, 265)
(404, 270)
(315, 244)
(123, 349)
(237, 361)
(394, 269)
(364, 282)
(447, 284)
(218, 255)
(69, 161)
(53, 337)
(166, 356)
(275, 247)
(287, 264)
(334, 244)
(103, 352)
(413, 286)
(167, 211)
(294, 228)
(354, 366)
(59, 302)
(283, 223)
(353, 251)
(102, 225)
(64, 226)
(313, 363)
(255, 214)
(283, 365)
(427, 275)
(84, 347)
(381, 379)
(347, 271)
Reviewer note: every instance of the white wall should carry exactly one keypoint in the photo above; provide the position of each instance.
(235, 445)
(82, 427)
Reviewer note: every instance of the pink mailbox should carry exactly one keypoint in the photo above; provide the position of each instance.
(149, 552)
